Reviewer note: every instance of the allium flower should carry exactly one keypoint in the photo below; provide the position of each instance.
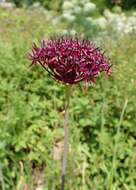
(70, 60)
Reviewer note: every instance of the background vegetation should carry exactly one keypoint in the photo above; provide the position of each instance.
(126, 4)
(103, 133)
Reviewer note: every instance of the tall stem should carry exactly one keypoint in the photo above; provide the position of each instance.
(2, 185)
(66, 135)
(113, 169)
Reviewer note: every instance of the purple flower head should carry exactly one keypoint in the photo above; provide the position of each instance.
(70, 60)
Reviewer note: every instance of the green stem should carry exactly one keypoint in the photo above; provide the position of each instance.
(113, 170)
(1, 179)
(66, 135)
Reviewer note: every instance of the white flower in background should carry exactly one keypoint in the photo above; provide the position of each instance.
(77, 9)
(132, 21)
(121, 23)
(108, 14)
(67, 5)
(116, 20)
(134, 13)
(68, 16)
(89, 7)
(56, 20)
(101, 22)
(75, 2)
(89, 19)
(76, 6)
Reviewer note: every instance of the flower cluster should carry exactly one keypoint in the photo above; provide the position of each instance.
(72, 9)
(70, 60)
(119, 22)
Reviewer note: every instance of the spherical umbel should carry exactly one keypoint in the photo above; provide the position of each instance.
(70, 60)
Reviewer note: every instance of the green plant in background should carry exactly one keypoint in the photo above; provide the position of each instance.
(31, 113)
(48, 4)
(57, 5)
(125, 4)
(102, 4)
(2, 184)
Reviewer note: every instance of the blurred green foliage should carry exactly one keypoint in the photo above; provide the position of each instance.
(56, 5)
(127, 4)
(31, 114)
(49, 4)
(102, 4)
